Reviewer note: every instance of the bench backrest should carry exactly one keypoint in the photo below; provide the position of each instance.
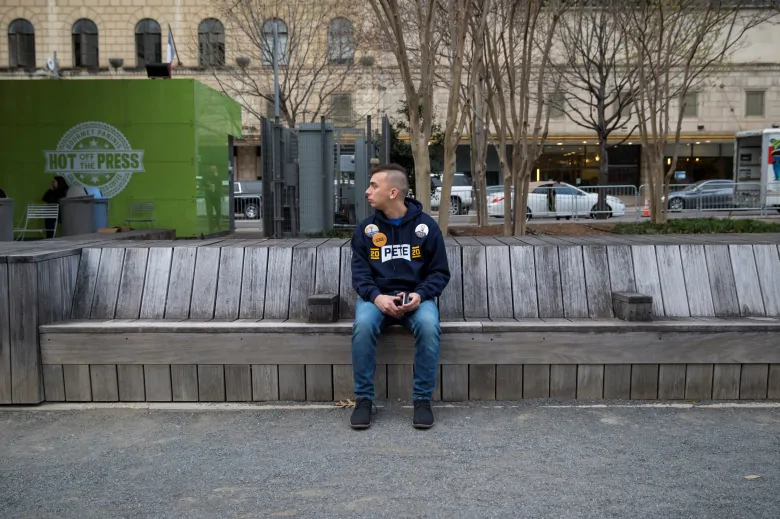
(491, 278)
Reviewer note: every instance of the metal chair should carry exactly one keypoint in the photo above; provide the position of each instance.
(39, 212)
(141, 212)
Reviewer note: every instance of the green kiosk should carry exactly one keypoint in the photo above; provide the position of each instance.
(159, 151)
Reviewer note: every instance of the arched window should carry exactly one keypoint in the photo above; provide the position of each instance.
(211, 43)
(341, 41)
(268, 42)
(148, 46)
(21, 44)
(85, 44)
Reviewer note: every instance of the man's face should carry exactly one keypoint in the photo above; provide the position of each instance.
(380, 192)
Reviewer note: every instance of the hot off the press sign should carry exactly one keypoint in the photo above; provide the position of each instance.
(95, 154)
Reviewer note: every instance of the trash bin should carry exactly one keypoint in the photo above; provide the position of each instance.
(101, 208)
(6, 219)
(78, 215)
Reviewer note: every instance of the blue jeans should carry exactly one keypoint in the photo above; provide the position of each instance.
(369, 323)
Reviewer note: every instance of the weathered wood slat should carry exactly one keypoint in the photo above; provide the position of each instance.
(253, 283)
(698, 381)
(399, 381)
(292, 382)
(70, 269)
(746, 278)
(617, 382)
(347, 295)
(53, 383)
(107, 284)
(590, 381)
(697, 282)
(768, 268)
(575, 294)
(563, 381)
(621, 269)
(725, 381)
(204, 284)
(343, 382)
(671, 381)
(754, 381)
(26, 379)
(670, 272)
(158, 269)
(328, 266)
(475, 286)
(380, 382)
(50, 302)
(211, 382)
(773, 387)
(157, 383)
(499, 281)
(131, 284)
(238, 381)
(184, 382)
(85, 284)
(482, 382)
(231, 265)
(526, 304)
(319, 382)
(548, 282)
(536, 381)
(644, 381)
(104, 381)
(455, 382)
(132, 387)
(509, 382)
(437, 388)
(646, 273)
(5, 339)
(451, 300)
(277, 289)
(722, 284)
(304, 267)
(77, 383)
(177, 304)
(265, 382)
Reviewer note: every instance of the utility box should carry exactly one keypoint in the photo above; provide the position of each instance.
(78, 215)
(316, 164)
(100, 208)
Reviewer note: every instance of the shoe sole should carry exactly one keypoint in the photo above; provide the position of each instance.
(358, 427)
(421, 426)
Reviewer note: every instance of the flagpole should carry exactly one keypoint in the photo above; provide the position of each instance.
(170, 31)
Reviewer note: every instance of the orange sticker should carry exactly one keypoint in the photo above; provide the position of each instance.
(379, 239)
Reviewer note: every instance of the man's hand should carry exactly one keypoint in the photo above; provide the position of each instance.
(414, 302)
(387, 305)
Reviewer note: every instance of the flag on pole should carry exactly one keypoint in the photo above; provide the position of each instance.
(171, 50)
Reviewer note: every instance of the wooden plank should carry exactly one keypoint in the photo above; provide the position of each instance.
(698, 381)
(211, 382)
(107, 284)
(238, 381)
(231, 264)
(347, 295)
(132, 387)
(292, 382)
(380, 382)
(697, 283)
(482, 381)
(157, 381)
(725, 381)
(53, 383)
(158, 270)
(590, 381)
(746, 278)
(646, 273)
(50, 304)
(437, 388)
(617, 381)
(773, 390)
(85, 284)
(754, 382)
(327, 268)
(265, 382)
(621, 269)
(670, 273)
(253, 283)
(70, 270)
(5, 339)
(526, 304)
(399, 381)
(671, 382)
(575, 294)
(177, 304)
(536, 381)
(451, 299)
(184, 382)
(722, 284)
(319, 382)
(563, 381)
(548, 282)
(509, 382)
(204, 284)
(768, 268)
(644, 381)
(302, 281)
(343, 382)
(131, 284)
(277, 289)
(499, 281)
(77, 383)
(475, 284)
(455, 382)
(23, 351)
(104, 381)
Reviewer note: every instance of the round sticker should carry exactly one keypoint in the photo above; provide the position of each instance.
(421, 231)
(379, 239)
(371, 230)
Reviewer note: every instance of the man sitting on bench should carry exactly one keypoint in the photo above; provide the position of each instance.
(399, 268)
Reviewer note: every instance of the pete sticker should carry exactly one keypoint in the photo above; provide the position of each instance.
(371, 230)
(421, 231)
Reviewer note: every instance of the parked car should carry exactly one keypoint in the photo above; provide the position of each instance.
(461, 197)
(706, 194)
(568, 201)
(247, 198)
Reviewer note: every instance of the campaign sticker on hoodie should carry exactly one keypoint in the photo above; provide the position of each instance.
(421, 230)
(371, 230)
(379, 239)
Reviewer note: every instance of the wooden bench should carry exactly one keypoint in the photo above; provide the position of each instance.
(522, 318)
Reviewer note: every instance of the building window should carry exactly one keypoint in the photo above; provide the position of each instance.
(754, 104)
(341, 109)
(341, 41)
(268, 42)
(557, 105)
(211, 43)
(21, 44)
(691, 105)
(148, 43)
(85, 44)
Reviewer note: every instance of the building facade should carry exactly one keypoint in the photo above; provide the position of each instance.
(116, 38)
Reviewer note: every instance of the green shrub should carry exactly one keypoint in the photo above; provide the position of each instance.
(697, 226)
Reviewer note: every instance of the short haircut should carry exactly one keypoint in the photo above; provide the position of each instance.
(396, 175)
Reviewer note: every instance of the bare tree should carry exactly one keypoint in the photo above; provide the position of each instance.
(675, 46)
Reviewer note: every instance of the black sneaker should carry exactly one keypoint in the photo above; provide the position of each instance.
(361, 416)
(423, 414)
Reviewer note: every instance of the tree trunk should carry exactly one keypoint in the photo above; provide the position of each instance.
(422, 171)
(601, 205)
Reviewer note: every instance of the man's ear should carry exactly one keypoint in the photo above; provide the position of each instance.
(393, 193)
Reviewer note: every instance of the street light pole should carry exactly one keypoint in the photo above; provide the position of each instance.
(276, 71)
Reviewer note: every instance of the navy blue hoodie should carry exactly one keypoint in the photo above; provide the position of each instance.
(408, 258)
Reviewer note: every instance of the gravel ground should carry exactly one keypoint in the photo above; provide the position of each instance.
(529, 460)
